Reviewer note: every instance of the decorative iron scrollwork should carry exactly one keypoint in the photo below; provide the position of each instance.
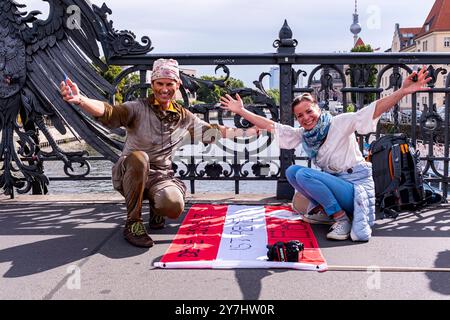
(395, 82)
(296, 75)
(326, 81)
(430, 122)
(33, 61)
(433, 74)
(182, 173)
(361, 74)
(261, 169)
(119, 43)
(395, 79)
(260, 99)
(212, 169)
(193, 84)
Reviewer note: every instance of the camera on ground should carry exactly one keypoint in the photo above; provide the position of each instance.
(285, 251)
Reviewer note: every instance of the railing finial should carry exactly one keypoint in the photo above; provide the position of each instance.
(285, 43)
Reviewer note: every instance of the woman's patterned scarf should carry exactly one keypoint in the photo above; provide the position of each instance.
(314, 138)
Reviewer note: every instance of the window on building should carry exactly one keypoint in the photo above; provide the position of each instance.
(427, 27)
(447, 42)
(425, 45)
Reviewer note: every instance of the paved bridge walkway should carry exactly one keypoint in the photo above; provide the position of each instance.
(46, 240)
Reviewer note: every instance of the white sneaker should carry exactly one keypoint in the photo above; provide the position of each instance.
(340, 230)
(318, 217)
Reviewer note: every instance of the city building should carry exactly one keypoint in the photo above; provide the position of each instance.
(432, 36)
(274, 80)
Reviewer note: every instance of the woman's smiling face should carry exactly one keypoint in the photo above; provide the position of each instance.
(307, 114)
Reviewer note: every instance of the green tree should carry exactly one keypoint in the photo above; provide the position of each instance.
(111, 74)
(368, 98)
(208, 95)
(275, 95)
(233, 83)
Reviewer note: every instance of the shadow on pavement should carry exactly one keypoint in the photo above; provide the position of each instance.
(48, 236)
(440, 281)
(432, 221)
(249, 280)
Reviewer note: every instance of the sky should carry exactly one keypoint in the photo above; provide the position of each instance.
(251, 26)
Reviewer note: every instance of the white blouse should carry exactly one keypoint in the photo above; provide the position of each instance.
(340, 150)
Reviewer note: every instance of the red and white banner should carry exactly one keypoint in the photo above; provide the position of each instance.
(236, 236)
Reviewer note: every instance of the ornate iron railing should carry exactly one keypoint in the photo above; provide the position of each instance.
(23, 162)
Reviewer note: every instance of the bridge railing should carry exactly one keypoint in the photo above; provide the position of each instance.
(353, 78)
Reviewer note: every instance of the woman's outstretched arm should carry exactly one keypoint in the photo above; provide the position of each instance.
(409, 86)
(237, 106)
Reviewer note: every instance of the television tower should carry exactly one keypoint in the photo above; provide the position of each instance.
(355, 28)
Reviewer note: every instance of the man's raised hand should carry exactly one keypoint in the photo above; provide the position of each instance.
(70, 92)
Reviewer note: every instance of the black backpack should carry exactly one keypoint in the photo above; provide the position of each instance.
(397, 175)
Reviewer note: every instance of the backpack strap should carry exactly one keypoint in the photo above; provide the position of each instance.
(395, 159)
(395, 171)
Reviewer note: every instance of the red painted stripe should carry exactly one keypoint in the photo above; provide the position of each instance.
(199, 235)
(285, 230)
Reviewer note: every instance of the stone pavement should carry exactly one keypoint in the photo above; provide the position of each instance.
(47, 241)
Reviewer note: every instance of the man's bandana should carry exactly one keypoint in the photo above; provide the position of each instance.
(165, 69)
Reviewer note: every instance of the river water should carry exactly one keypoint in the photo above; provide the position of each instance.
(103, 168)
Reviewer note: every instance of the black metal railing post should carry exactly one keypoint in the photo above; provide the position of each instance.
(286, 49)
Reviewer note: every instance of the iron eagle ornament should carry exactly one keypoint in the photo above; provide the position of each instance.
(35, 55)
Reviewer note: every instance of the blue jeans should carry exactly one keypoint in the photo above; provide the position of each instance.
(332, 193)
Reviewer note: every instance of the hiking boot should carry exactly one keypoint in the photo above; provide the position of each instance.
(156, 222)
(136, 234)
(340, 230)
(317, 216)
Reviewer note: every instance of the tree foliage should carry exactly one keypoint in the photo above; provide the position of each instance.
(111, 74)
(275, 95)
(208, 95)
